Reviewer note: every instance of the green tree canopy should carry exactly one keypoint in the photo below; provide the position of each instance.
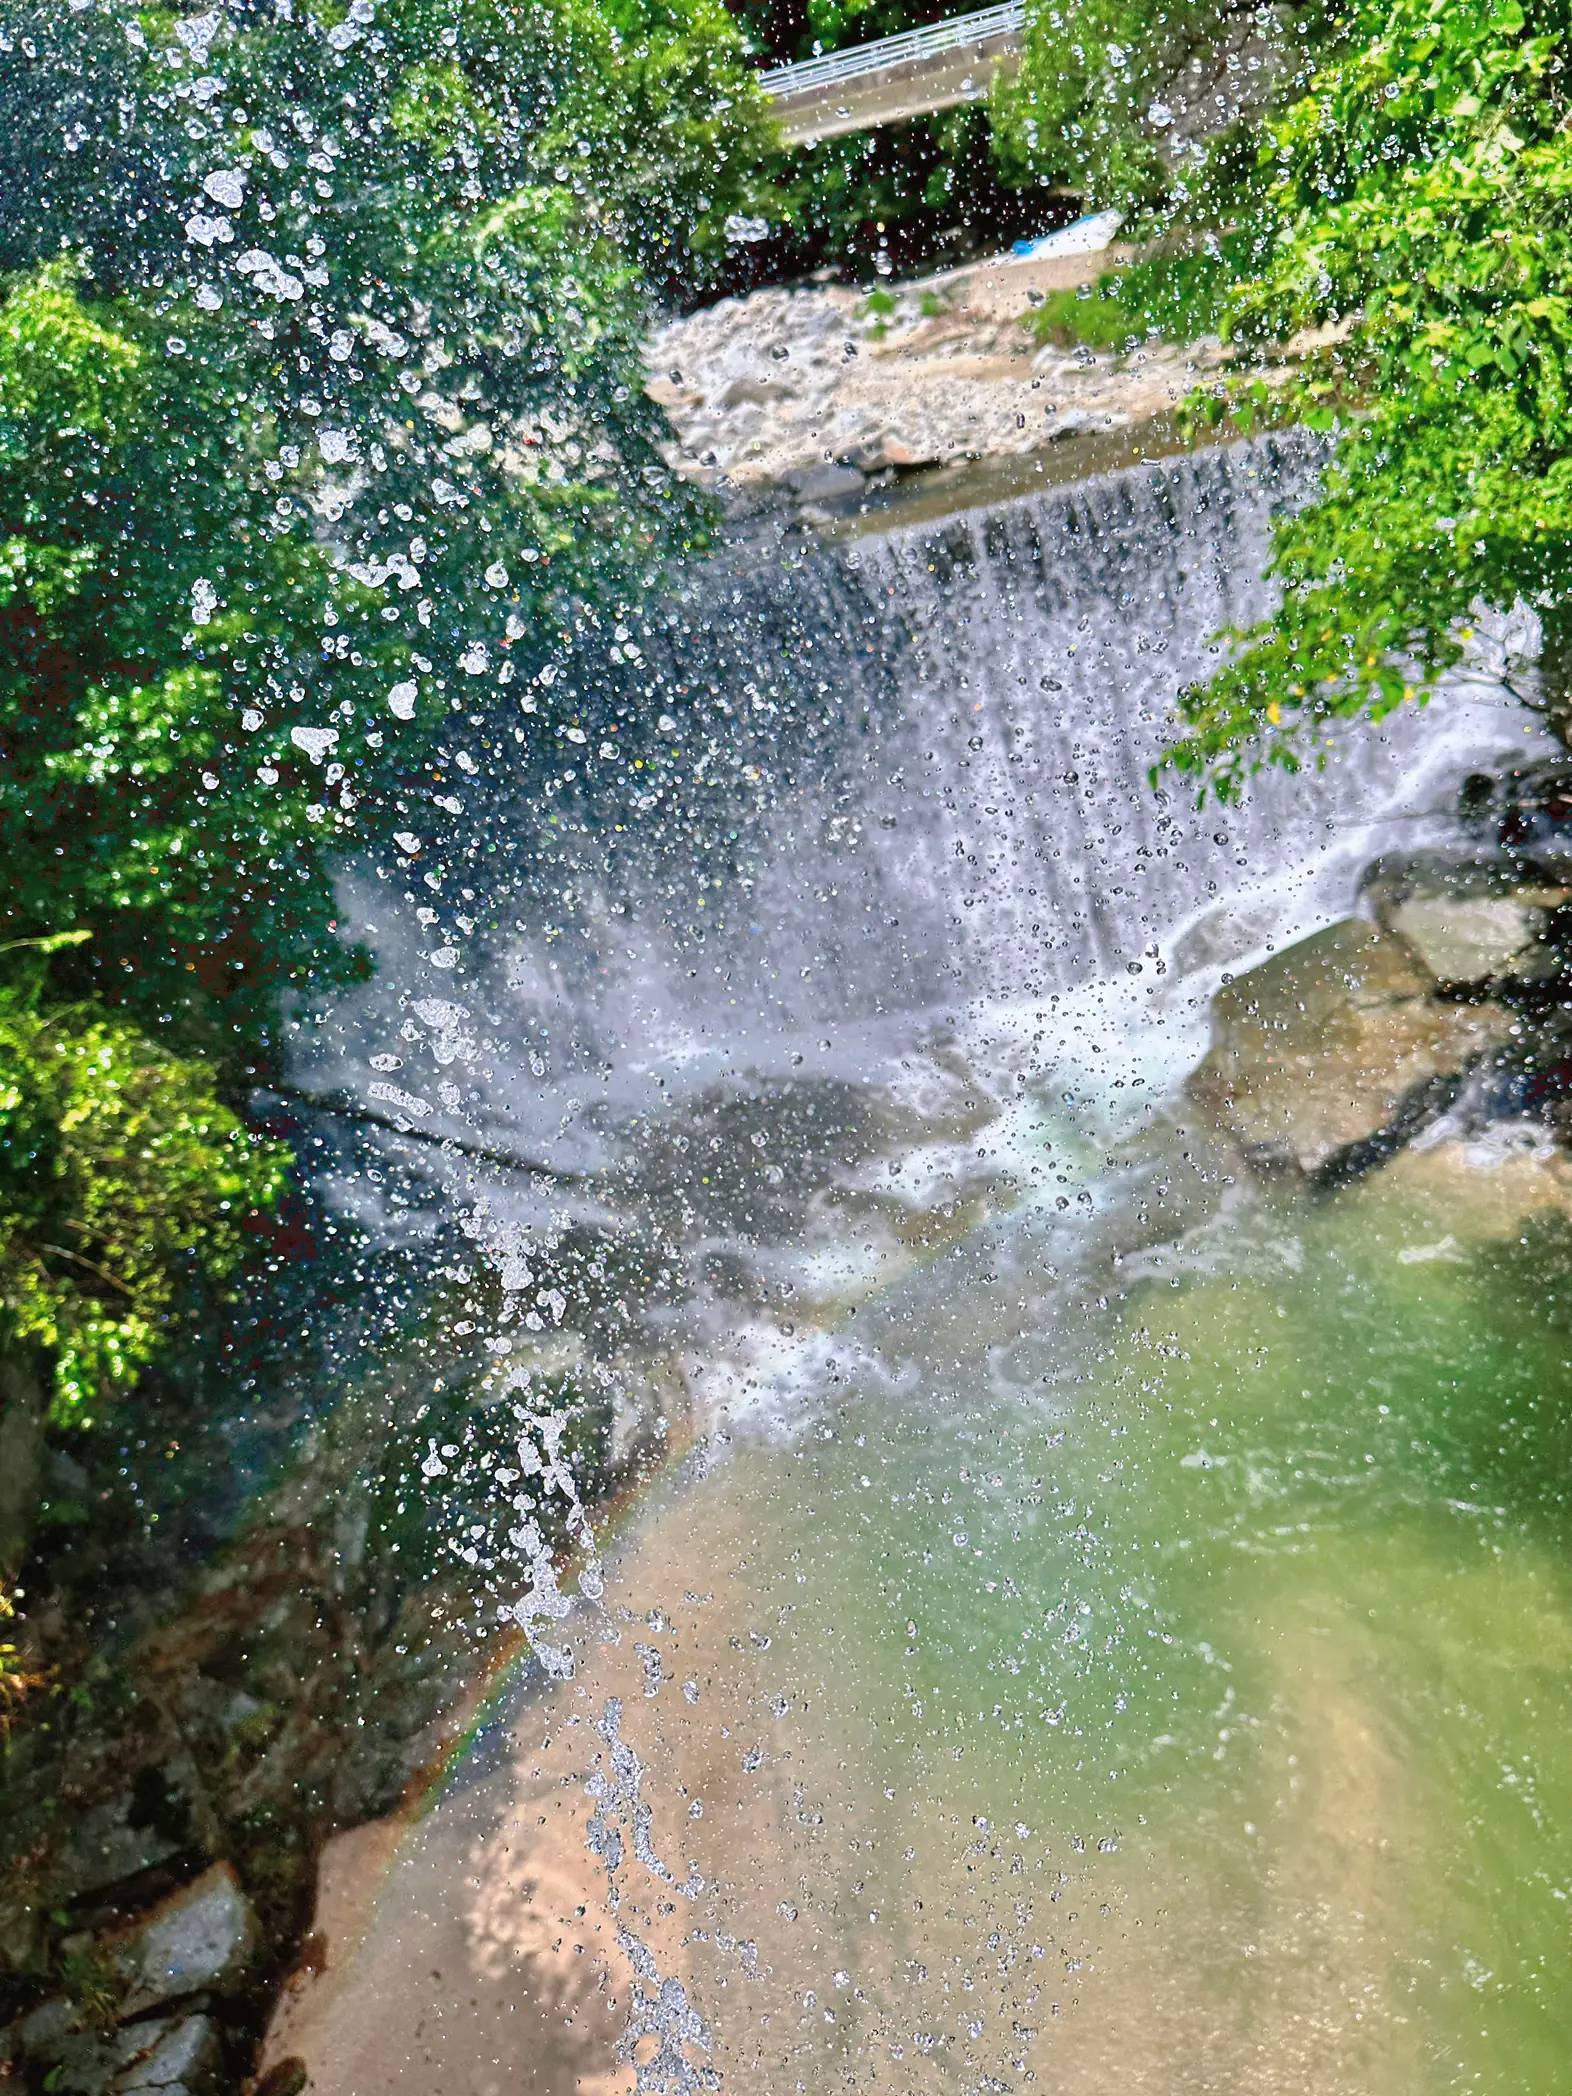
(122, 1178)
(1143, 105)
(321, 406)
(326, 402)
(1420, 200)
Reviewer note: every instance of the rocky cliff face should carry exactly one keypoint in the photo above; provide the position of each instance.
(167, 1791)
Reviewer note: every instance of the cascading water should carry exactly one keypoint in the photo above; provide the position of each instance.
(1028, 1676)
(820, 806)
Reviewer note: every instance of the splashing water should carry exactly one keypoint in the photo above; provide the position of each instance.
(1052, 1588)
(858, 882)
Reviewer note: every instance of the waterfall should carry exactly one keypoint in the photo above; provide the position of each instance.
(813, 809)
(796, 1025)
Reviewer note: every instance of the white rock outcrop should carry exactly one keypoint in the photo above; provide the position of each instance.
(779, 386)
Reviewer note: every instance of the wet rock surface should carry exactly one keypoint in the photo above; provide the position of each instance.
(182, 2052)
(186, 2057)
(1483, 1182)
(806, 393)
(159, 1816)
(1531, 810)
(160, 1828)
(1439, 1028)
(1471, 921)
(1336, 1050)
(1477, 938)
(202, 1936)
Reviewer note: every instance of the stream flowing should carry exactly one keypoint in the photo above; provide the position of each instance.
(1111, 1625)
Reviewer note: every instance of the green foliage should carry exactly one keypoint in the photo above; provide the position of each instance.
(18, 1677)
(909, 192)
(786, 30)
(321, 407)
(1075, 114)
(1419, 196)
(1176, 296)
(1101, 103)
(121, 1177)
(1094, 317)
(313, 439)
(906, 193)
(123, 679)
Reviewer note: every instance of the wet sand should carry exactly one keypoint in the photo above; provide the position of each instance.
(862, 1923)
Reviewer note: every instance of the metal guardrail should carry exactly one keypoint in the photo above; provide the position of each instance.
(910, 45)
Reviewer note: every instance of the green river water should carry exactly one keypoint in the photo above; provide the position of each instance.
(1156, 1676)
(1249, 1601)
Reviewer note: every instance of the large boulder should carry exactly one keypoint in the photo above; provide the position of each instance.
(1331, 1053)
(201, 1938)
(88, 2062)
(1478, 938)
(1470, 1189)
(1470, 921)
(159, 1815)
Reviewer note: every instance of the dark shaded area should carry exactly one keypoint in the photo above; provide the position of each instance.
(918, 196)
(784, 31)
